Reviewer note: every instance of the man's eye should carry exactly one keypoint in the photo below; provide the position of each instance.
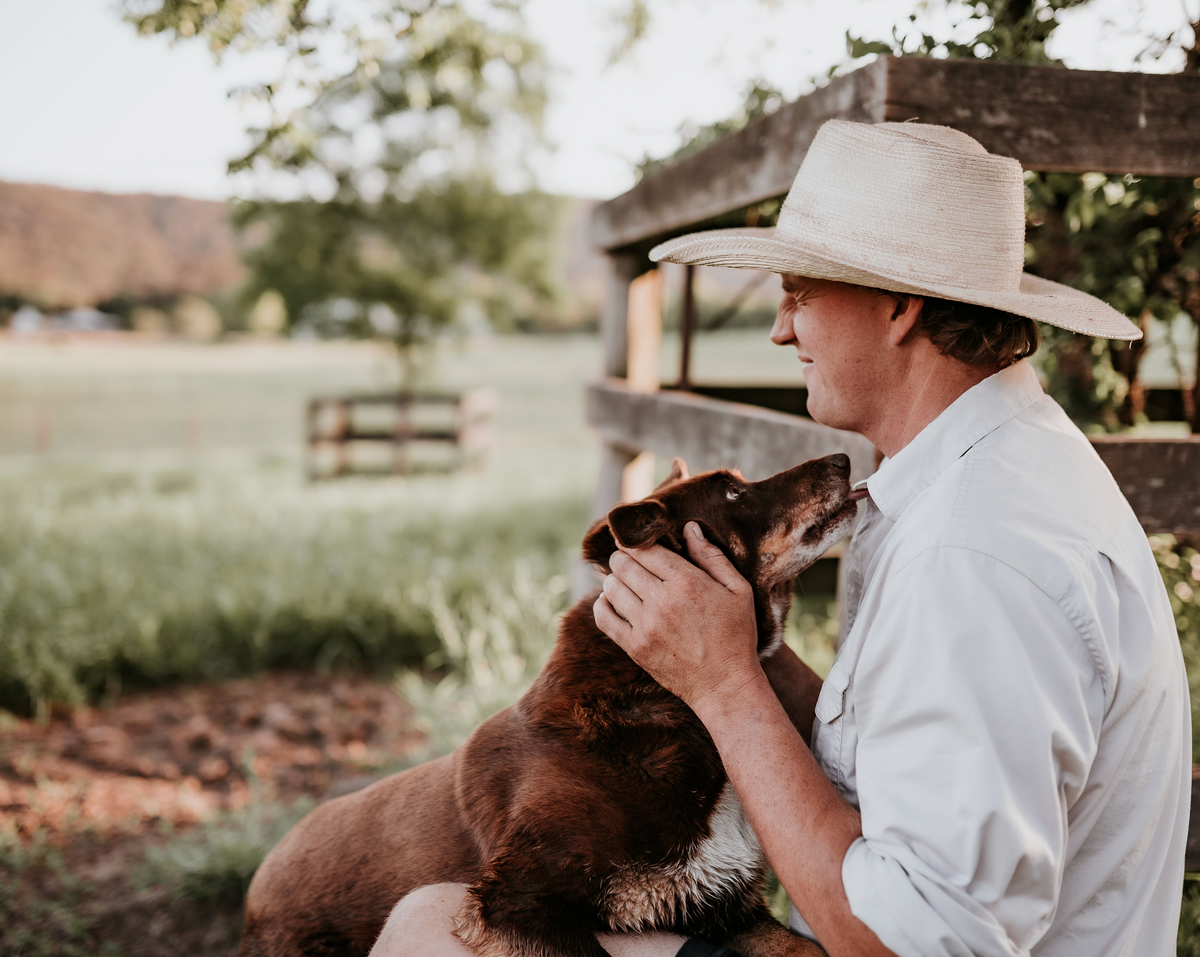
(733, 494)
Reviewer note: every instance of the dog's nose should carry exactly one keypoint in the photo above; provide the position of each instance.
(840, 460)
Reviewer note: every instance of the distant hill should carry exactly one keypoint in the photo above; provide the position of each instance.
(63, 248)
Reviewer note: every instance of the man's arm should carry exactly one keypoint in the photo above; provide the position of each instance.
(796, 686)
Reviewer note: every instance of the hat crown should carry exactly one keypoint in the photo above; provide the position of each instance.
(923, 204)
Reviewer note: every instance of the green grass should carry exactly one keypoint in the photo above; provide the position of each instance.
(217, 859)
(116, 578)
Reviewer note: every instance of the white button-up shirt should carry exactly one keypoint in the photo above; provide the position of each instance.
(1008, 708)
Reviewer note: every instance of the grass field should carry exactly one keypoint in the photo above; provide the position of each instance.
(157, 525)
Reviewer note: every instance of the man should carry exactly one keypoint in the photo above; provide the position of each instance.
(1000, 755)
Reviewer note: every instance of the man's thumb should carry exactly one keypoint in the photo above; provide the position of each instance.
(705, 554)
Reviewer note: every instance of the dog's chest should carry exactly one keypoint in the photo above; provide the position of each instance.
(727, 860)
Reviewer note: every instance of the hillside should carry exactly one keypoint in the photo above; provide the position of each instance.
(62, 248)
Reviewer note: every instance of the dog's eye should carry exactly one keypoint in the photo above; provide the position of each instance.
(733, 494)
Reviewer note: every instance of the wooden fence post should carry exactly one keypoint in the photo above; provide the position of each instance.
(644, 332)
(614, 329)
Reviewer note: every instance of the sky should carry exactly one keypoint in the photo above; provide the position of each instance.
(88, 104)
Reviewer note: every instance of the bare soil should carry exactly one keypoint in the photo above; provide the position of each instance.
(100, 785)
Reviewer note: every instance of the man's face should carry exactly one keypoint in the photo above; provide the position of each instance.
(840, 333)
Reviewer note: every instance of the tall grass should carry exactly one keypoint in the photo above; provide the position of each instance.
(115, 578)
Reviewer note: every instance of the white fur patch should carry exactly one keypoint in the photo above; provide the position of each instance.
(779, 610)
(642, 897)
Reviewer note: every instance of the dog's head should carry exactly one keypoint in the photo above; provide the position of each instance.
(770, 530)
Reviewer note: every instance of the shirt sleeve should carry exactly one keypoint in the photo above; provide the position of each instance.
(978, 709)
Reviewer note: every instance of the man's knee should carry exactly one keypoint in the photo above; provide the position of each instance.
(422, 923)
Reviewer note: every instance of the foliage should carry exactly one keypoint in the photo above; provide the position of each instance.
(760, 99)
(403, 267)
(1179, 563)
(490, 648)
(1132, 241)
(1188, 940)
(1009, 31)
(393, 115)
(202, 577)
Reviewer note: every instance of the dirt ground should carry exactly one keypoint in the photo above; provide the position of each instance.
(100, 785)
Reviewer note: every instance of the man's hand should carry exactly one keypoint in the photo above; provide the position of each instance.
(692, 628)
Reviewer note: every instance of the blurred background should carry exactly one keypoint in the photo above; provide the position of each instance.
(226, 590)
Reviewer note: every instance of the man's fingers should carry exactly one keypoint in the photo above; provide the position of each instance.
(705, 554)
(632, 573)
(622, 599)
(659, 561)
(609, 622)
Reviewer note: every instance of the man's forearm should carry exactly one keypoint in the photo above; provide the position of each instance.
(796, 686)
(803, 823)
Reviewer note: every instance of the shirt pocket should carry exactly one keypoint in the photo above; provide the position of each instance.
(827, 729)
(831, 702)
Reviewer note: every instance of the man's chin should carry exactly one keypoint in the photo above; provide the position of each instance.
(827, 413)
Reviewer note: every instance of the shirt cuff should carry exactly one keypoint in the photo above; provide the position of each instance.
(914, 915)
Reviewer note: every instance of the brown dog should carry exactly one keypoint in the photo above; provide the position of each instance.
(598, 802)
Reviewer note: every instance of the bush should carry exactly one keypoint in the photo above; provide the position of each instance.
(1179, 564)
(1188, 941)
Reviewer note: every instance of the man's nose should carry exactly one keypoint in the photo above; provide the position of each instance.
(781, 332)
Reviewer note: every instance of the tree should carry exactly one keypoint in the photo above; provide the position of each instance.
(392, 117)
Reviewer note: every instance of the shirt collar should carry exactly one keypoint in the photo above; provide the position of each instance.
(981, 409)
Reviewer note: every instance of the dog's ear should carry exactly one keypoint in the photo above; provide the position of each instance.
(679, 472)
(599, 544)
(640, 523)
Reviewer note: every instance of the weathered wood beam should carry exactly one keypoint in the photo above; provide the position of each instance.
(1160, 478)
(1049, 118)
(709, 433)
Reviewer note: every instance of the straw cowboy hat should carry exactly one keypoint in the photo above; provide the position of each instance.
(911, 208)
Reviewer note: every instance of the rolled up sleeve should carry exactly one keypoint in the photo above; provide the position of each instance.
(972, 745)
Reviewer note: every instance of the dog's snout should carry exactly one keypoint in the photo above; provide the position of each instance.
(840, 460)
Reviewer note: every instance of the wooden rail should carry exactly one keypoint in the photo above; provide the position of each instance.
(1049, 118)
(1158, 476)
(710, 433)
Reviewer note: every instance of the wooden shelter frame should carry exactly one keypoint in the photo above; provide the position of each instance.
(1048, 118)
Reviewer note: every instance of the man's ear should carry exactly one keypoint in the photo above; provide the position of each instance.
(679, 472)
(639, 524)
(599, 544)
(905, 316)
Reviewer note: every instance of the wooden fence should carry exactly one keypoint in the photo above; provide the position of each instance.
(398, 424)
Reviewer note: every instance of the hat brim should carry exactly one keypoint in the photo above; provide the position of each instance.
(758, 248)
